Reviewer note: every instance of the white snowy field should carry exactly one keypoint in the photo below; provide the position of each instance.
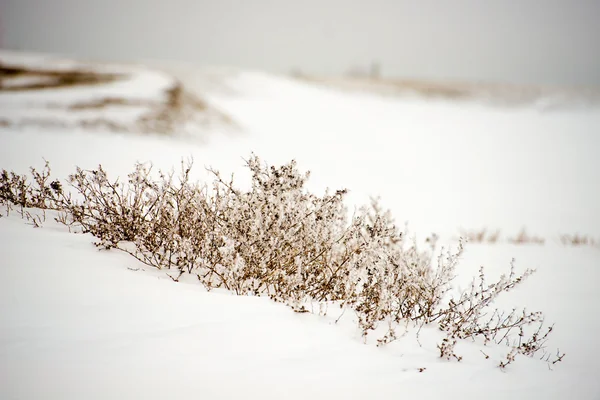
(78, 323)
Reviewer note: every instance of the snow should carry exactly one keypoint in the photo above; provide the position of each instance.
(79, 323)
(440, 165)
(136, 82)
(134, 91)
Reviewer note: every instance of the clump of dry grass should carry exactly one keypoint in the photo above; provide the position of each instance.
(481, 235)
(179, 107)
(50, 78)
(484, 236)
(498, 94)
(579, 240)
(97, 104)
(524, 238)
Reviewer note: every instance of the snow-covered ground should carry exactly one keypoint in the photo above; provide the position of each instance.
(129, 93)
(78, 323)
(38, 91)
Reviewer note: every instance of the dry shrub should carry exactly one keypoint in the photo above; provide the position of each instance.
(279, 240)
(481, 236)
(524, 238)
(39, 193)
(578, 240)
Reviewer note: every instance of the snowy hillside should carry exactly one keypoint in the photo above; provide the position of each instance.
(55, 93)
(76, 322)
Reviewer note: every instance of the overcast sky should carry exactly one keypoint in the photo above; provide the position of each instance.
(523, 41)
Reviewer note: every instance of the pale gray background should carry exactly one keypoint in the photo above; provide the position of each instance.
(524, 41)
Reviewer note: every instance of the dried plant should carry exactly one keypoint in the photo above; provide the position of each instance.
(281, 241)
(480, 236)
(578, 240)
(524, 238)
